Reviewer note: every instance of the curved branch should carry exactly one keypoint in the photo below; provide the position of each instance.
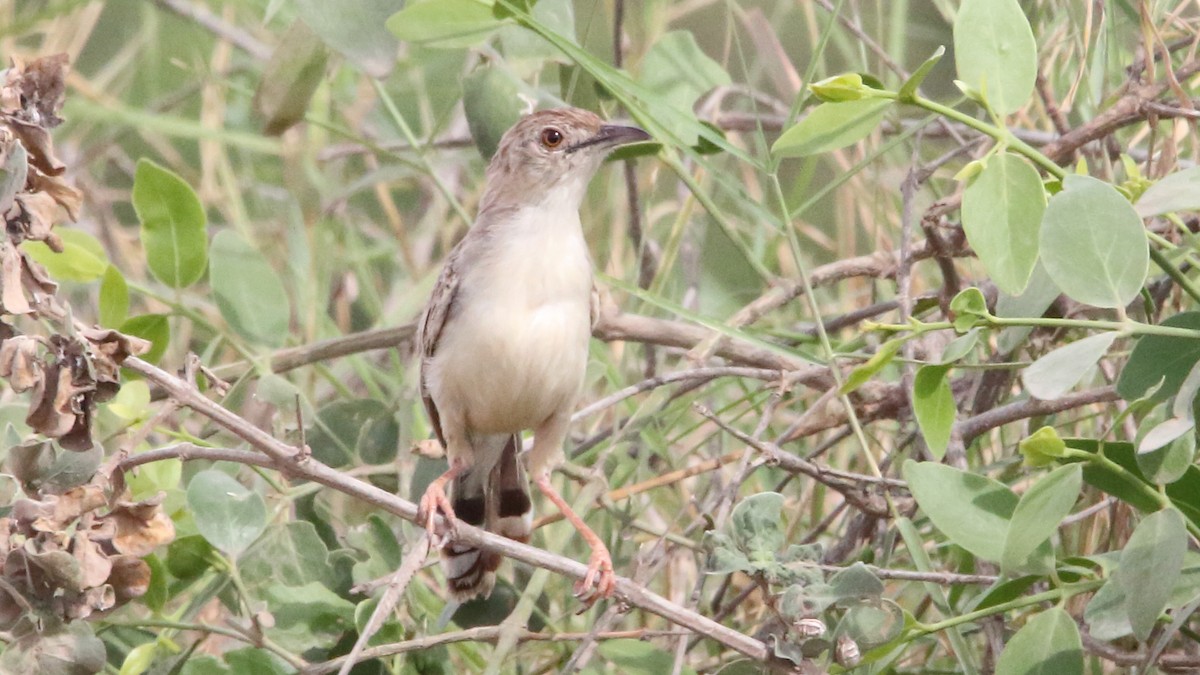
(298, 463)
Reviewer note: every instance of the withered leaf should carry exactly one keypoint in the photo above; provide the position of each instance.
(12, 293)
(19, 362)
(36, 220)
(130, 577)
(30, 99)
(59, 569)
(94, 565)
(109, 351)
(53, 409)
(77, 501)
(141, 526)
(67, 196)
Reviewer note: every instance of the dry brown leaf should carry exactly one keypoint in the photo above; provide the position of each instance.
(130, 577)
(12, 293)
(94, 565)
(67, 196)
(109, 350)
(50, 396)
(30, 99)
(20, 363)
(36, 220)
(141, 526)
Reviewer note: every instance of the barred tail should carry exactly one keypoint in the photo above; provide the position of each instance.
(495, 498)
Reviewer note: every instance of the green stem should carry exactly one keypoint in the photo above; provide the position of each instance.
(1172, 271)
(1128, 327)
(1053, 595)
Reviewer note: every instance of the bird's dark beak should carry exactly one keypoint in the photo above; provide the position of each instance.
(612, 135)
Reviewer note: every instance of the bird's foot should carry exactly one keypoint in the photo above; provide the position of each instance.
(600, 581)
(433, 501)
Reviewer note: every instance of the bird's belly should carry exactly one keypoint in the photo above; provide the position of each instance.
(525, 365)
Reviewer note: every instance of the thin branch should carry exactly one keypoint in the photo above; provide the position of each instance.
(1031, 407)
(299, 463)
(481, 634)
(217, 26)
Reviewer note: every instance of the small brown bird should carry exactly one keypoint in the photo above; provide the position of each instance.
(504, 342)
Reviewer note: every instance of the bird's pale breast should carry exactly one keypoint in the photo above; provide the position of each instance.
(526, 330)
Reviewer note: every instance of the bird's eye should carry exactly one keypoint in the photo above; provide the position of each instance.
(551, 137)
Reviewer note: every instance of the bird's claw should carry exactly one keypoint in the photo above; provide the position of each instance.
(599, 582)
(433, 501)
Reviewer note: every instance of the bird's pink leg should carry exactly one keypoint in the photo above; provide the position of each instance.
(435, 498)
(600, 567)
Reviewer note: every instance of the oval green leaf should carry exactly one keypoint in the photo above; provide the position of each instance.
(1048, 644)
(1159, 358)
(1038, 514)
(447, 23)
(1150, 564)
(1093, 243)
(830, 126)
(995, 52)
(1055, 373)
(248, 292)
(933, 406)
(972, 510)
(355, 28)
(227, 514)
(1001, 214)
(1179, 191)
(114, 298)
(152, 327)
(82, 259)
(173, 225)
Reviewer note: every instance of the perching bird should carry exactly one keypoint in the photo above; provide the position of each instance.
(504, 341)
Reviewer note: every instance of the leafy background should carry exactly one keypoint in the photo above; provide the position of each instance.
(896, 373)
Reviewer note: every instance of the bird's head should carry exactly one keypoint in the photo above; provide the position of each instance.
(553, 151)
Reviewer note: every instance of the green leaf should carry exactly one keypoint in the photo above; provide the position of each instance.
(229, 515)
(839, 88)
(1057, 372)
(248, 291)
(863, 372)
(1158, 358)
(933, 406)
(1032, 303)
(290, 78)
(873, 622)
(114, 298)
(1167, 464)
(1043, 447)
(1179, 191)
(139, 659)
(82, 259)
(968, 307)
(492, 104)
(444, 23)
(1048, 644)
(972, 510)
(1038, 514)
(855, 582)
(1150, 565)
(995, 52)
(188, 557)
(173, 225)
(830, 126)
(757, 527)
(152, 327)
(295, 553)
(157, 593)
(1001, 215)
(357, 29)
(959, 347)
(909, 90)
(1093, 243)
(638, 657)
(345, 429)
(679, 72)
